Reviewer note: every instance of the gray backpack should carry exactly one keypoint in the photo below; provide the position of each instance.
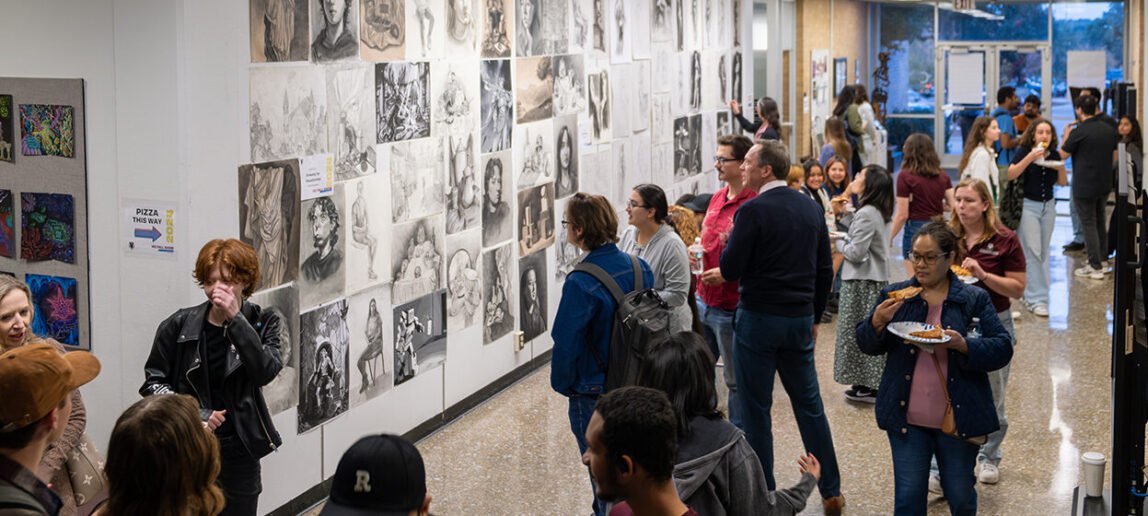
(640, 319)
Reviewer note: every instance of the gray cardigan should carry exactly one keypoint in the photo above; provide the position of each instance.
(866, 249)
(666, 254)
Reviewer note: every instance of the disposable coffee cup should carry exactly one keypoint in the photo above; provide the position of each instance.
(1093, 473)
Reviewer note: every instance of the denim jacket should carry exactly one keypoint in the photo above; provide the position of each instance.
(585, 317)
(968, 384)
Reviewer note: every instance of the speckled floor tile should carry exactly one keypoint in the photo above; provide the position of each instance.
(515, 453)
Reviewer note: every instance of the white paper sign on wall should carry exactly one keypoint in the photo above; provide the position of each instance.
(317, 174)
(149, 229)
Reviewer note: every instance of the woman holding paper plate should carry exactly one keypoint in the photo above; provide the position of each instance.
(934, 396)
(1037, 218)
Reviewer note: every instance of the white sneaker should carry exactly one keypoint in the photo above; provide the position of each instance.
(1040, 310)
(1088, 272)
(989, 474)
(935, 485)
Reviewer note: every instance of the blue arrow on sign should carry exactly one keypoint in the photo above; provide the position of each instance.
(152, 233)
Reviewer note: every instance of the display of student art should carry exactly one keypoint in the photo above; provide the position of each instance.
(456, 133)
(43, 202)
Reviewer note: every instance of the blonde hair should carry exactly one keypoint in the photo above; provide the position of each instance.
(990, 215)
(9, 284)
(796, 176)
(682, 219)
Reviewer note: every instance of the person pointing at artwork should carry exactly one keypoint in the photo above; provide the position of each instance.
(222, 352)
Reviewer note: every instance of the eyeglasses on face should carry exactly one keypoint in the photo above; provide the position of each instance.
(927, 259)
(722, 160)
(635, 204)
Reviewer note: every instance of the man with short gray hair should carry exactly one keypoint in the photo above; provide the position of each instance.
(779, 251)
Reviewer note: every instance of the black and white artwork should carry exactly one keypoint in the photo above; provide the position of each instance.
(351, 123)
(735, 78)
(661, 125)
(556, 26)
(621, 39)
(279, 31)
(600, 104)
(323, 357)
(717, 23)
(464, 191)
(497, 104)
(566, 156)
(528, 28)
(463, 279)
(623, 99)
(417, 188)
(664, 69)
(640, 75)
(568, 255)
(535, 219)
(689, 82)
(534, 85)
(417, 256)
(598, 170)
(334, 30)
(662, 20)
(622, 163)
(642, 149)
(534, 153)
(723, 123)
(454, 91)
(580, 25)
(269, 218)
(321, 276)
(687, 149)
(497, 27)
(662, 162)
(599, 38)
(723, 91)
(420, 336)
(533, 301)
(372, 370)
(708, 142)
(695, 25)
(711, 91)
(498, 310)
(282, 392)
(463, 19)
(402, 101)
(680, 23)
(569, 85)
(288, 112)
(496, 199)
(384, 30)
(368, 255)
(425, 34)
(640, 11)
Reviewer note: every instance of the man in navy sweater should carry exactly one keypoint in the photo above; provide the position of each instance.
(779, 251)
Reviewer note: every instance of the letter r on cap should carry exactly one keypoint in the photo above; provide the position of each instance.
(362, 481)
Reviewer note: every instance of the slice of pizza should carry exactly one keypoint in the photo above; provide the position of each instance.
(905, 293)
(960, 271)
(933, 333)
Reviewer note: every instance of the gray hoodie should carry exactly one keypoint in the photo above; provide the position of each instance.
(718, 473)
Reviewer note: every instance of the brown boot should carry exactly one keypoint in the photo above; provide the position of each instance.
(834, 505)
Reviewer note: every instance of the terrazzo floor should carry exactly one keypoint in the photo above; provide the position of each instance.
(515, 454)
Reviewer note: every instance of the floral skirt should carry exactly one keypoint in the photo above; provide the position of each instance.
(850, 365)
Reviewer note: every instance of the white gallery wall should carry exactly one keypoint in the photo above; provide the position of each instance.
(168, 95)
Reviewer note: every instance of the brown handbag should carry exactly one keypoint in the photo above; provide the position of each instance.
(949, 423)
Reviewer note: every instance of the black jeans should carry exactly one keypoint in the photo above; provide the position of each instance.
(1091, 213)
(240, 477)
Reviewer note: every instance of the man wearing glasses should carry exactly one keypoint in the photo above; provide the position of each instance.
(779, 250)
(716, 297)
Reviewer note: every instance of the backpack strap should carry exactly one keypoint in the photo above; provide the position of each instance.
(639, 285)
(600, 274)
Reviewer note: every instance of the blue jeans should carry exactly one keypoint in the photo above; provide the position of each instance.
(1077, 229)
(907, 234)
(581, 408)
(767, 344)
(1035, 232)
(913, 447)
(717, 323)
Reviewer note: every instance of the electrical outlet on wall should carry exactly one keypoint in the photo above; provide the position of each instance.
(519, 341)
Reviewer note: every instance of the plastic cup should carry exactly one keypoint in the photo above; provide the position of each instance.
(1093, 473)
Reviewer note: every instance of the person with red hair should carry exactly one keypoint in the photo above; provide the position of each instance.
(222, 352)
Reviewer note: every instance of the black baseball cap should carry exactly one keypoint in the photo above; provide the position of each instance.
(699, 204)
(379, 475)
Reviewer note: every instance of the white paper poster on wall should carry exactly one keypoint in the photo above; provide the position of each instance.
(966, 75)
(1086, 68)
(149, 229)
(317, 174)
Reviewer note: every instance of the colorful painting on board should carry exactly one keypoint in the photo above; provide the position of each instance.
(47, 230)
(7, 225)
(54, 298)
(47, 130)
(7, 140)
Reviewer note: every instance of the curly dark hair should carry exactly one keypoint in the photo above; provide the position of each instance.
(326, 206)
(638, 422)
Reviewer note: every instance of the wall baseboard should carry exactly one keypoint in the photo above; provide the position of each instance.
(317, 493)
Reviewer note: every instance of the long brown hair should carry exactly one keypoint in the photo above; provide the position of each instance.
(1028, 139)
(919, 157)
(162, 461)
(835, 135)
(976, 139)
(990, 215)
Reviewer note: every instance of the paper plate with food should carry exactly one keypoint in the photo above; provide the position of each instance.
(963, 274)
(925, 335)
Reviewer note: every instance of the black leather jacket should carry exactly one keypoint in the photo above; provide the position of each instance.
(175, 366)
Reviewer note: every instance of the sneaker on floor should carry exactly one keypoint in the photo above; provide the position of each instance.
(1088, 272)
(935, 485)
(833, 505)
(861, 394)
(1039, 310)
(1016, 314)
(989, 473)
(1073, 246)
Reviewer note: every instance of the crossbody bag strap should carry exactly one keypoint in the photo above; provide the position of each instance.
(941, 375)
(611, 285)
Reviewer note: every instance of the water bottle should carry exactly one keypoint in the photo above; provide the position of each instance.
(974, 329)
(696, 251)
